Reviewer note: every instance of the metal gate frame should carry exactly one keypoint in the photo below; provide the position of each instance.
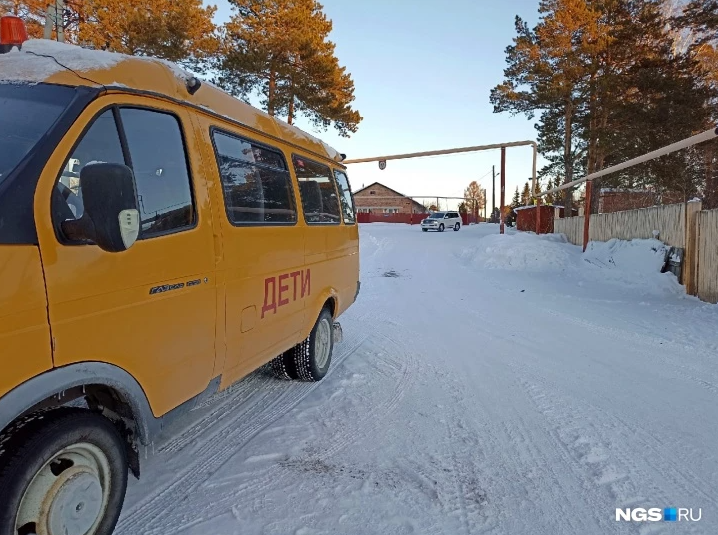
(477, 148)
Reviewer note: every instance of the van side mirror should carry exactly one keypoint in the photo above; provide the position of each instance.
(111, 218)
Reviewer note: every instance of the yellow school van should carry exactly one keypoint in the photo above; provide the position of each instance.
(159, 240)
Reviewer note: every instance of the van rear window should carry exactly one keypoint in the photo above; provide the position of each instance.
(26, 114)
(319, 193)
(345, 195)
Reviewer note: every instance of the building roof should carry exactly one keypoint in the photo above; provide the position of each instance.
(45, 61)
(417, 203)
(378, 184)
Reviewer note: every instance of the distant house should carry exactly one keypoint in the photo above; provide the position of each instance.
(377, 198)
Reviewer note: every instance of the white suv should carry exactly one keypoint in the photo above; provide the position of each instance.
(441, 221)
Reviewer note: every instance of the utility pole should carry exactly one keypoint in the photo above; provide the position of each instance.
(493, 189)
(54, 19)
(503, 188)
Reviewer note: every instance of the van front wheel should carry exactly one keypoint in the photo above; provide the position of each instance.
(62, 471)
(313, 356)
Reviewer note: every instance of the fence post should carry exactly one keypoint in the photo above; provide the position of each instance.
(538, 215)
(586, 215)
(690, 261)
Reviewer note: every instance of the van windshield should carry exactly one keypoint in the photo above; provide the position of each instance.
(26, 114)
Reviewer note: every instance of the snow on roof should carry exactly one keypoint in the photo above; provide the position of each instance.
(15, 66)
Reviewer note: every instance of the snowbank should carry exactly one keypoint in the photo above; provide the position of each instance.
(522, 252)
(641, 257)
(636, 263)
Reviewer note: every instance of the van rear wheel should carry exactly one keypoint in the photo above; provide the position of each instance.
(283, 366)
(313, 356)
(62, 472)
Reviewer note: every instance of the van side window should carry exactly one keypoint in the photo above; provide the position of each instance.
(319, 195)
(345, 196)
(156, 155)
(255, 180)
(161, 173)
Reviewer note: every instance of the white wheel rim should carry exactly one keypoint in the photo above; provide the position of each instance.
(322, 346)
(69, 494)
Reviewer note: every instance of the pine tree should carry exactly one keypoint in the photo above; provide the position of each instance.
(549, 197)
(695, 24)
(280, 50)
(545, 72)
(536, 191)
(516, 200)
(175, 30)
(526, 195)
(608, 83)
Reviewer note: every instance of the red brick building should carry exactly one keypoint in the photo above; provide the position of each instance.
(526, 217)
(379, 199)
(618, 200)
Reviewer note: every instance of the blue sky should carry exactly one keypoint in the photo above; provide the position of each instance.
(422, 76)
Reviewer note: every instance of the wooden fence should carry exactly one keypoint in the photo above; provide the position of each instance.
(572, 227)
(678, 225)
(707, 268)
(668, 220)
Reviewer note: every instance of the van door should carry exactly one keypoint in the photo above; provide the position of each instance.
(324, 236)
(150, 310)
(263, 252)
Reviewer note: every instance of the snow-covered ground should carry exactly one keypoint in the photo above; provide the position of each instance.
(486, 384)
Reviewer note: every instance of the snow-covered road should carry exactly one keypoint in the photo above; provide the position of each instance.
(486, 384)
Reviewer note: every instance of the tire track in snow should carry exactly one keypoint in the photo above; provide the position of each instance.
(214, 452)
(683, 478)
(271, 478)
(244, 392)
(610, 462)
(683, 369)
(469, 497)
(156, 518)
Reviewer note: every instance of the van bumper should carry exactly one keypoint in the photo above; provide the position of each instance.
(337, 333)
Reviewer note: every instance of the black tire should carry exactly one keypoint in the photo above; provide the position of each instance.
(283, 366)
(31, 442)
(457, 227)
(425, 230)
(305, 353)
(441, 228)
